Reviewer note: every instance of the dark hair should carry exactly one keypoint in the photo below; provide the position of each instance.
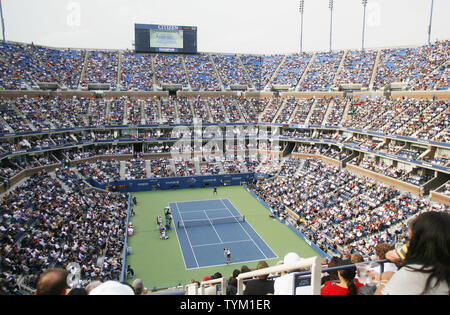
(244, 269)
(232, 281)
(78, 291)
(349, 274)
(430, 247)
(217, 275)
(52, 282)
(334, 262)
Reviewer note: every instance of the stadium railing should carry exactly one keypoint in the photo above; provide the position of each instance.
(312, 277)
(313, 263)
(220, 284)
(123, 274)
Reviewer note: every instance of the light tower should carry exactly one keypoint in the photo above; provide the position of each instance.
(3, 22)
(301, 9)
(330, 5)
(431, 19)
(364, 3)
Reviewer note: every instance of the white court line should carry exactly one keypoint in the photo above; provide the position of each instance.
(245, 229)
(257, 233)
(218, 209)
(210, 222)
(233, 263)
(210, 244)
(178, 240)
(189, 240)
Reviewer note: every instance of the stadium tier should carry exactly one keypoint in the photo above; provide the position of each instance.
(344, 147)
(25, 67)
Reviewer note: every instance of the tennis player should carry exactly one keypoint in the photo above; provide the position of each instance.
(227, 254)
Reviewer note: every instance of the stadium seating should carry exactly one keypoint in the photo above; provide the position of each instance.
(353, 167)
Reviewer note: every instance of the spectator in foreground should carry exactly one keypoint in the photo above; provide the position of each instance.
(52, 282)
(212, 289)
(285, 284)
(232, 283)
(398, 254)
(111, 287)
(347, 284)
(389, 268)
(426, 267)
(138, 286)
(261, 285)
(332, 275)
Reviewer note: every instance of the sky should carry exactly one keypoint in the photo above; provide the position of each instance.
(230, 26)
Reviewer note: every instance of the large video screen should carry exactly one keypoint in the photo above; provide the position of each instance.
(165, 38)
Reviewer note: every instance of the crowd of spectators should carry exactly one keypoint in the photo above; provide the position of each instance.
(169, 69)
(269, 65)
(23, 65)
(50, 221)
(321, 72)
(348, 274)
(358, 67)
(428, 72)
(101, 67)
(136, 72)
(341, 210)
(230, 70)
(201, 73)
(292, 69)
(420, 118)
(252, 65)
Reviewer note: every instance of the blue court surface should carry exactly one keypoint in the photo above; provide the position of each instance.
(209, 226)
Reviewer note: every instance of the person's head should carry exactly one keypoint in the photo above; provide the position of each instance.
(261, 265)
(348, 276)
(235, 273)
(112, 288)
(357, 258)
(217, 275)
(429, 247)
(245, 268)
(291, 258)
(335, 261)
(381, 249)
(138, 286)
(410, 223)
(52, 282)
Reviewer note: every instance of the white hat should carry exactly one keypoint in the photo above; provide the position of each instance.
(291, 257)
(112, 288)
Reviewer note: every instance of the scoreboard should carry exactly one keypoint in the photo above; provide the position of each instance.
(165, 38)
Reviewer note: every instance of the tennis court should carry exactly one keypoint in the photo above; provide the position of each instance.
(205, 227)
(162, 263)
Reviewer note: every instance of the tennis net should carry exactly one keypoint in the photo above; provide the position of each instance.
(211, 221)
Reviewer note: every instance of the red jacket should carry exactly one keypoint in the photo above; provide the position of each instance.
(330, 288)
